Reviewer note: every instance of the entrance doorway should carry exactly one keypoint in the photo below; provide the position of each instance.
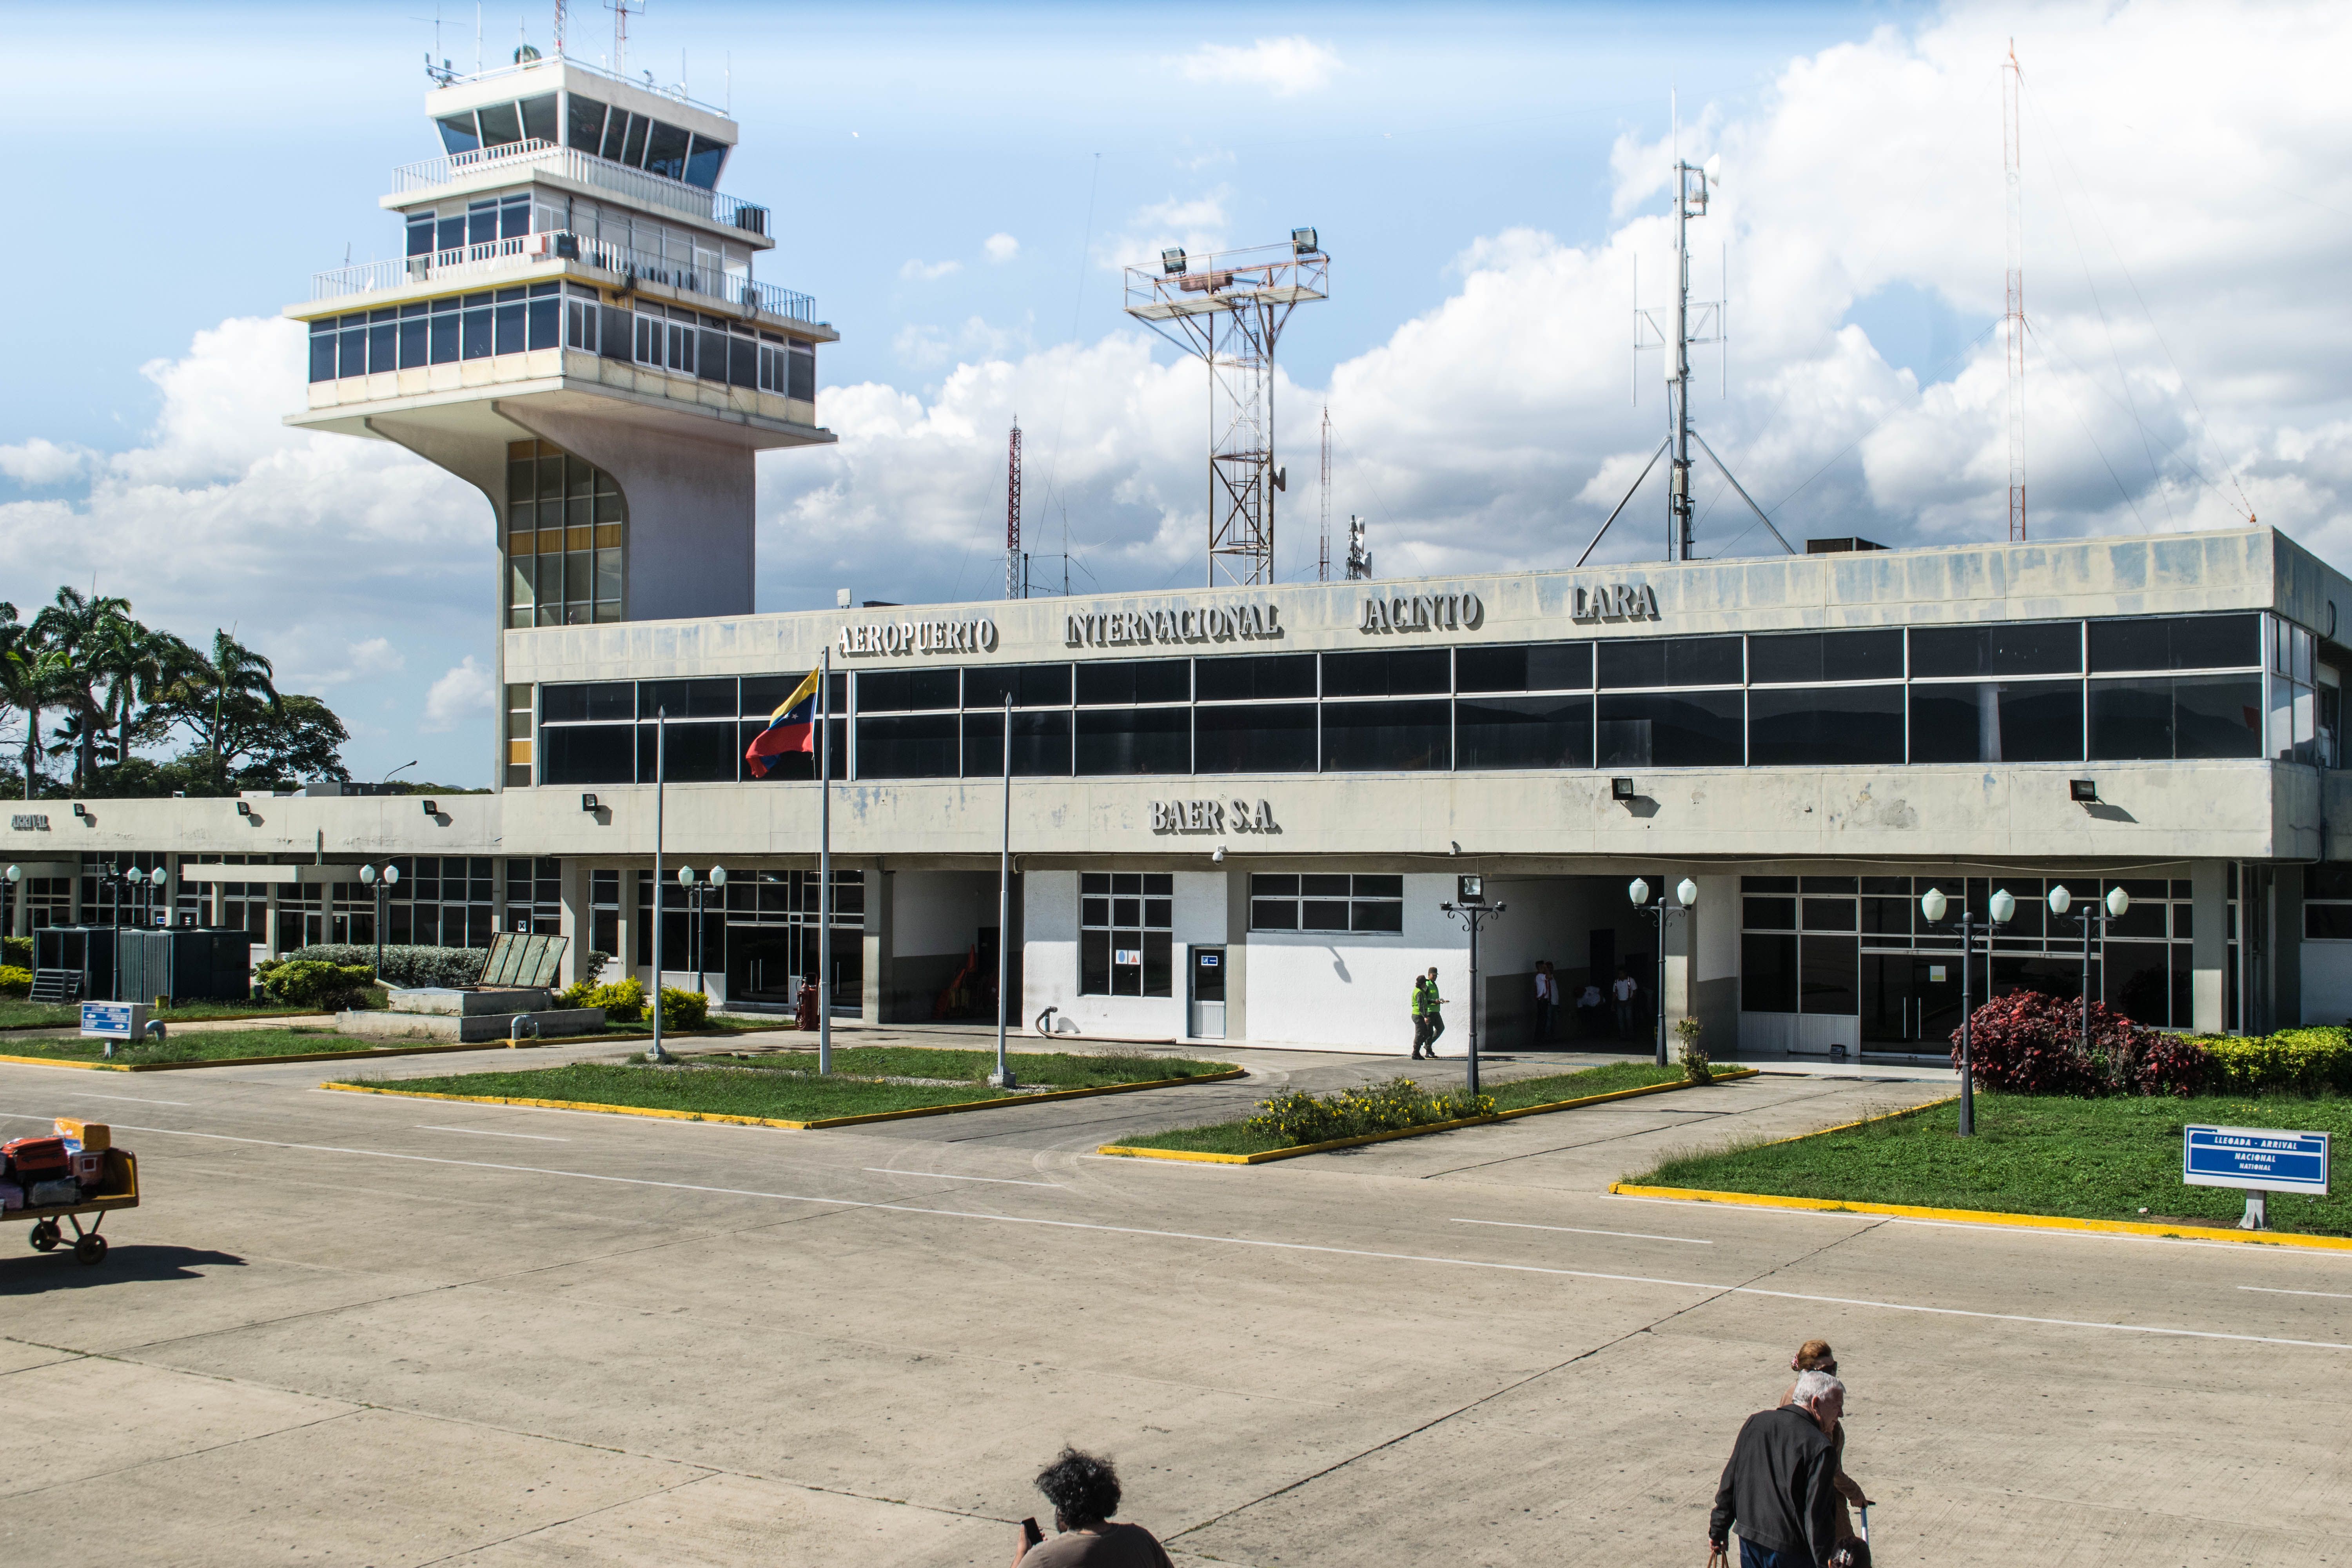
(1208, 994)
(1910, 1000)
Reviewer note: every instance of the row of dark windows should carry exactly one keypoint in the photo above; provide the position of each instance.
(616, 135)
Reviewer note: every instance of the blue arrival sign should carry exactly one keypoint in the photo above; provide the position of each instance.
(107, 1020)
(2259, 1159)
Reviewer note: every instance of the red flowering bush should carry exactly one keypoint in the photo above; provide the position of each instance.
(2030, 1043)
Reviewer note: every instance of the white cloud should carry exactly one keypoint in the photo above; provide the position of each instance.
(40, 462)
(1196, 223)
(1288, 66)
(1001, 248)
(465, 690)
(929, 271)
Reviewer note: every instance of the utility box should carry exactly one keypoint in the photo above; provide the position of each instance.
(183, 963)
(87, 950)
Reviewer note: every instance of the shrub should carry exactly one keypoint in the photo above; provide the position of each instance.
(2174, 1065)
(17, 951)
(624, 1001)
(682, 1009)
(405, 966)
(2292, 1061)
(309, 983)
(1296, 1117)
(2029, 1043)
(14, 980)
(1695, 1058)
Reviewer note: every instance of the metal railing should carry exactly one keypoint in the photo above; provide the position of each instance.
(587, 169)
(644, 81)
(500, 257)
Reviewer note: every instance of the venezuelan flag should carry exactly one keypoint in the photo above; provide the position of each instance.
(790, 728)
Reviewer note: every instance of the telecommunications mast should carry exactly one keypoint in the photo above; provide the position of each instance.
(1689, 323)
(1016, 566)
(1227, 310)
(1323, 552)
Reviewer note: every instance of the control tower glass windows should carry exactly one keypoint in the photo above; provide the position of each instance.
(499, 125)
(654, 145)
(567, 525)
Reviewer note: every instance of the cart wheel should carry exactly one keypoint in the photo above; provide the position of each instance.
(89, 1247)
(44, 1236)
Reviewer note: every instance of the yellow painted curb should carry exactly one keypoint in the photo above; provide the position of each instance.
(818, 1125)
(1264, 1156)
(1991, 1216)
(269, 1061)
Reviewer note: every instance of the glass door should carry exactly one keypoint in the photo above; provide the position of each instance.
(1208, 994)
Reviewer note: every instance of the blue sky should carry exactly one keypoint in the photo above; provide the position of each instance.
(1486, 180)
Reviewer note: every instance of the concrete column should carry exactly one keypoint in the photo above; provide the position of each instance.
(499, 890)
(876, 1006)
(1714, 997)
(574, 882)
(269, 920)
(1237, 911)
(1680, 937)
(625, 963)
(2208, 948)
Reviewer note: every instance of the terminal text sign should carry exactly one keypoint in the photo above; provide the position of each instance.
(2259, 1159)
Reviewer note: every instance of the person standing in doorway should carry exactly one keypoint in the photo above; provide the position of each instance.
(1546, 1001)
(1624, 989)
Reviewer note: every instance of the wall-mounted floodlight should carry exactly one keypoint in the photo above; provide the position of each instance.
(1302, 242)
(1470, 890)
(1621, 789)
(588, 802)
(433, 808)
(245, 808)
(1172, 260)
(2083, 791)
(80, 809)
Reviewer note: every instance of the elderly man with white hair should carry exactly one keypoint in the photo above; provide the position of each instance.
(1778, 1489)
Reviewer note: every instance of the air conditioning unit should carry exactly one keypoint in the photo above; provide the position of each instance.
(753, 219)
(538, 246)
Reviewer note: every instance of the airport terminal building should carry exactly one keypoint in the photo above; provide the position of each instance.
(1234, 813)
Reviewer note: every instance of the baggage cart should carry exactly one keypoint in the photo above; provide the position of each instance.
(118, 1190)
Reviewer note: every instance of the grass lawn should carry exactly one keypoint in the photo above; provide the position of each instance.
(1054, 1069)
(1234, 1137)
(788, 1090)
(15, 1013)
(2087, 1159)
(206, 1045)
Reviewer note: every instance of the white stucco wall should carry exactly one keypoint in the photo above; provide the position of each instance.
(2327, 982)
(1353, 991)
(940, 911)
(1049, 969)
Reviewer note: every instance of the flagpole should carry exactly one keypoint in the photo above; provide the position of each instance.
(1003, 1078)
(824, 863)
(661, 751)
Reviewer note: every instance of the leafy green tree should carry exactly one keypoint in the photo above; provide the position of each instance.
(81, 626)
(214, 697)
(33, 679)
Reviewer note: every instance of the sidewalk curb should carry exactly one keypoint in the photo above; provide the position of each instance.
(1267, 1155)
(267, 1061)
(814, 1126)
(1989, 1218)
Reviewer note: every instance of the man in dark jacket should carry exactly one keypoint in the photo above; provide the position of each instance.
(1779, 1486)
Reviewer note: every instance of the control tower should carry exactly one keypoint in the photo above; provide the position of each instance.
(573, 329)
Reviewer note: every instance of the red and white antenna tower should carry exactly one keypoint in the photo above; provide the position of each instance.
(1016, 569)
(1323, 562)
(621, 9)
(2012, 78)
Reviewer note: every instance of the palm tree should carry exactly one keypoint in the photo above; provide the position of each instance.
(81, 626)
(208, 689)
(137, 663)
(32, 677)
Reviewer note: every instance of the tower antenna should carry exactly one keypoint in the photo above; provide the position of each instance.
(621, 9)
(1016, 566)
(1688, 325)
(1360, 558)
(1323, 557)
(559, 30)
(2012, 78)
(1227, 310)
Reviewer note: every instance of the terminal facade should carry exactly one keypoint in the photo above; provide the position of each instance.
(1235, 813)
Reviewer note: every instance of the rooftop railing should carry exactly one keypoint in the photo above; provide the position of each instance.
(498, 259)
(586, 169)
(644, 80)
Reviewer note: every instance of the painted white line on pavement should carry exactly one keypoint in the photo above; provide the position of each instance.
(1580, 1230)
(2273, 1290)
(486, 1132)
(1269, 1246)
(944, 1176)
(142, 1099)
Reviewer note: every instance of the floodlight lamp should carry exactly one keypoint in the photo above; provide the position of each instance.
(1172, 260)
(80, 809)
(2060, 899)
(718, 876)
(1621, 789)
(433, 808)
(1302, 242)
(2117, 903)
(245, 808)
(2083, 791)
(1470, 890)
(1638, 891)
(2003, 906)
(1932, 904)
(1686, 891)
(588, 802)
(367, 875)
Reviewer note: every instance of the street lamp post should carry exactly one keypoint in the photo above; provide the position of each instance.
(1638, 891)
(2003, 907)
(1472, 910)
(696, 895)
(2112, 907)
(382, 882)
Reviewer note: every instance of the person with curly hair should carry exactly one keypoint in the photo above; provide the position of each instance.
(1084, 1490)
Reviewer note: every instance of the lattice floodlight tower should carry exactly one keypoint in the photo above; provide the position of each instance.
(1227, 310)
